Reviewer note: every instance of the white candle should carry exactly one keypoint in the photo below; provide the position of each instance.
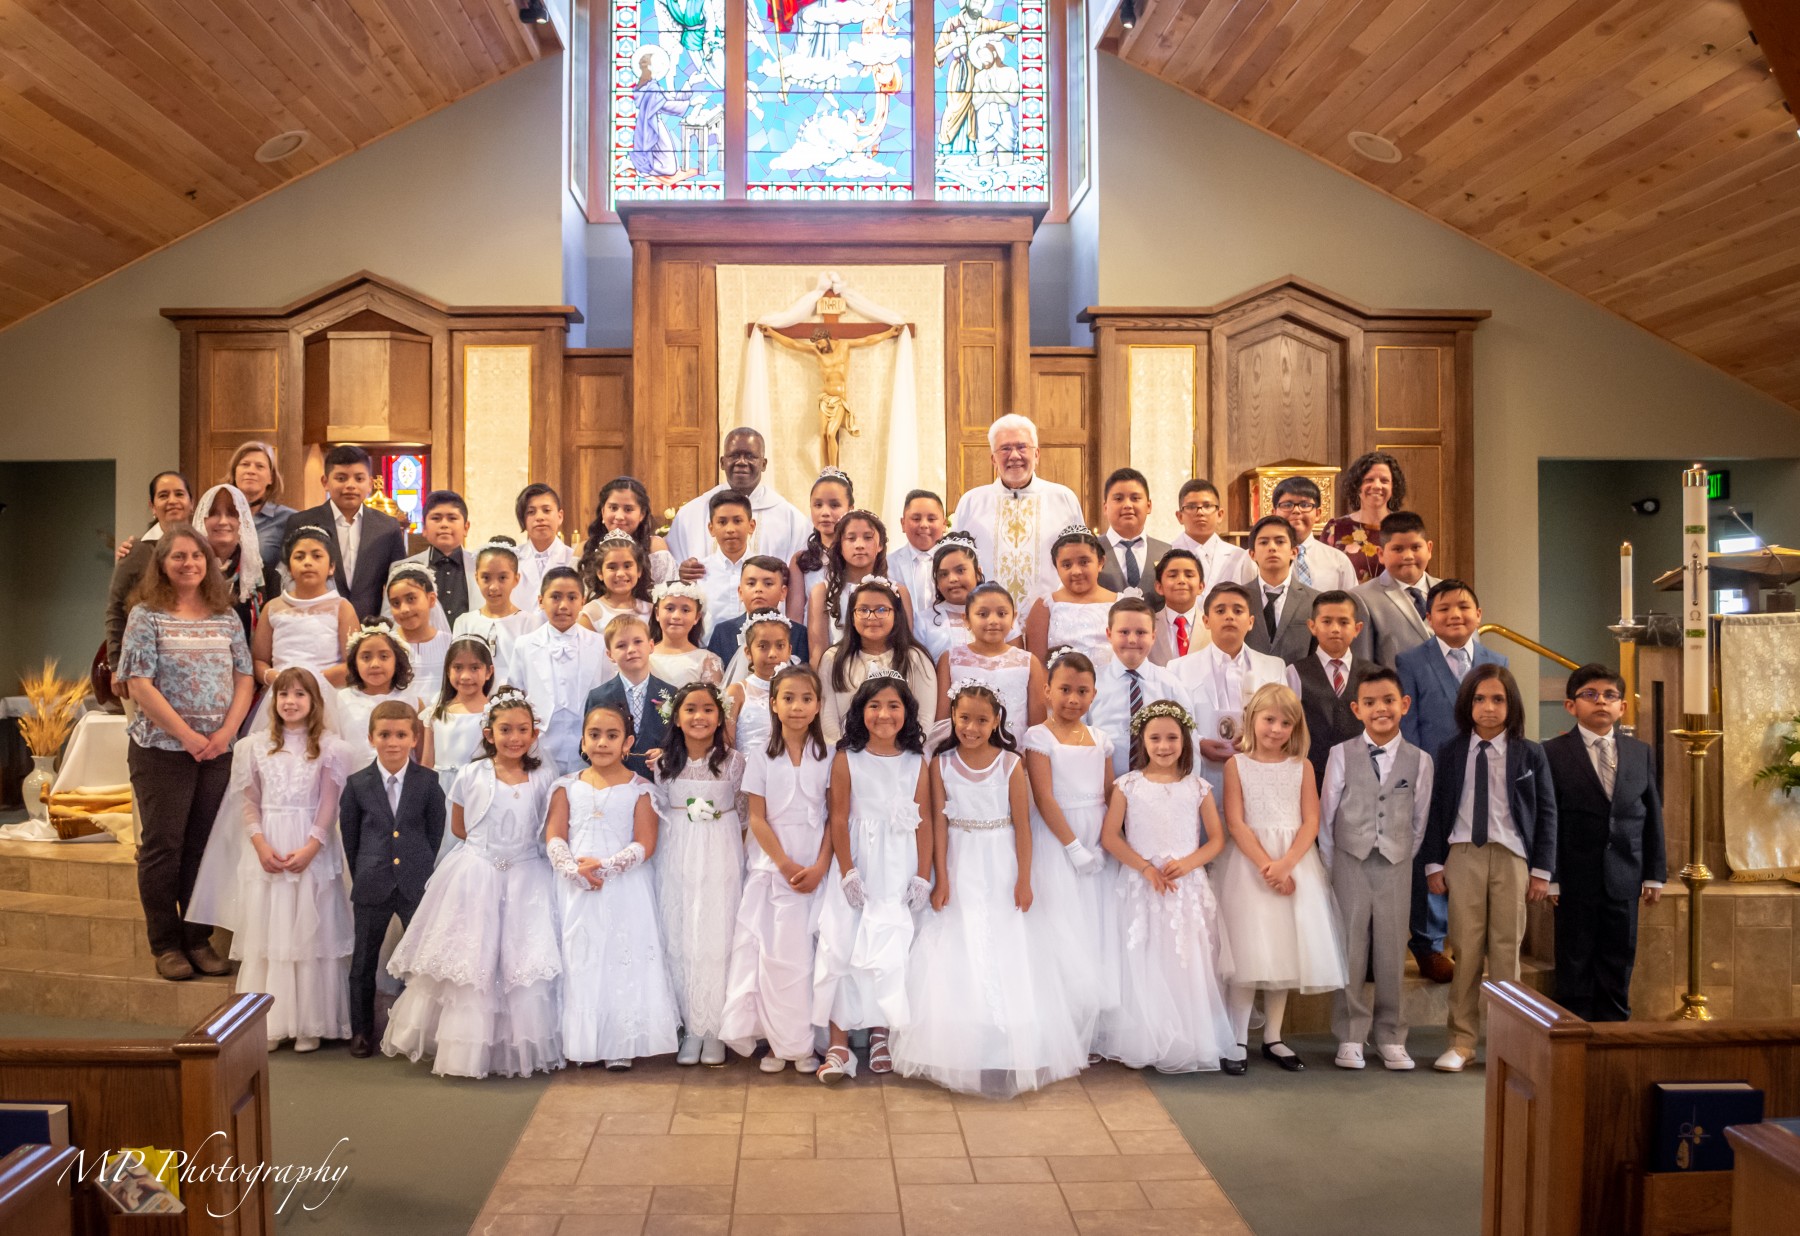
(1696, 595)
(1625, 606)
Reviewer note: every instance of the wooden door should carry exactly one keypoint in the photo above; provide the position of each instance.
(596, 432)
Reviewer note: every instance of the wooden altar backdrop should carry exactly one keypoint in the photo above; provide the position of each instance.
(1286, 370)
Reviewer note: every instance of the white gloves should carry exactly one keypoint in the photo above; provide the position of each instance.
(1084, 860)
(623, 861)
(563, 860)
(918, 893)
(854, 892)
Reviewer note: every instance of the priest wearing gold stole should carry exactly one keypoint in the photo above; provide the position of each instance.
(1017, 517)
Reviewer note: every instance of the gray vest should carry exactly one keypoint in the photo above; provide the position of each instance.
(1376, 815)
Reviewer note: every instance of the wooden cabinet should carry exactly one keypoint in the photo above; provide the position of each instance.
(1290, 370)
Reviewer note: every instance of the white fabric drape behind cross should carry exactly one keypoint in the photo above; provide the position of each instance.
(754, 411)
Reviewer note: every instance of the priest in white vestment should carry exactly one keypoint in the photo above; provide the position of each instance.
(781, 528)
(1018, 516)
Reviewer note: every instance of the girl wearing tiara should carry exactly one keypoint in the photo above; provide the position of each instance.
(621, 581)
(675, 617)
(788, 856)
(764, 638)
(411, 598)
(878, 636)
(482, 960)
(984, 986)
(498, 619)
(273, 871)
(377, 668)
(1163, 828)
(700, 872)
(955, 571)
(878, 797)
(833, 496)
(859, 552)
(308, 625)
(1014, 675)
(1069, 765)
(624, 506)
(453, 724)
(1074, 616)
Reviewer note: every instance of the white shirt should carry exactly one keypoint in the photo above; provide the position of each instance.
(349, 539)
(781, 530)
(1501, 829)
(532, 565)
(721, 586)
(1139, 550)
(1220, 560)
(1325, 660)
(1110, 710)
(1016, 551)
(1332, 794)
(1279, 592)
(1165, 649)
(393, 784)
(1330, 567)
(912, 567)
(1222, 683)
(1450, 655)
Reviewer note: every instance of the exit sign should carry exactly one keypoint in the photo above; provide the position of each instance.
(1718, 485)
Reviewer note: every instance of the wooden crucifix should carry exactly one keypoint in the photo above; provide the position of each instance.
(830, 342)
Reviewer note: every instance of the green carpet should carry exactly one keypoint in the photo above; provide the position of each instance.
(422, 1152)
(1331, 1150)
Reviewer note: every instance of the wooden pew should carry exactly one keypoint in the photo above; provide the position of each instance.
(1569, 1112)
(34, 1191)
(1765, 1187)
(206, 1093)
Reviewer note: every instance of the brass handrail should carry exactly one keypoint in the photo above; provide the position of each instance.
(1525, 641)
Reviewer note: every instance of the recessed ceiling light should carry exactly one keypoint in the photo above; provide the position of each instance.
(1374, 146)
(281, 146)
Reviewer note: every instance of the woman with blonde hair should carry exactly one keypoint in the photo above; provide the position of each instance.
(254, 471)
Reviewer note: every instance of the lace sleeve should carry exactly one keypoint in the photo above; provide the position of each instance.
(734, 777)
(246, 770)
(712, 670)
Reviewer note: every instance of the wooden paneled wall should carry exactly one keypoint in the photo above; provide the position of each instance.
(674, 413)
(1290, 370)
(596, 431)
(1065, 403)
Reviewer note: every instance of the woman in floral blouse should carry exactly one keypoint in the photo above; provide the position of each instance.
(184, 654)
(1374, 487)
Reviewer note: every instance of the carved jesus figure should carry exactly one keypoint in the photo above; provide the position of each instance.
(833, 355)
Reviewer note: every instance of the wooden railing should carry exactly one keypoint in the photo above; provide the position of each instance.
(34, 1191)
(206, 1093)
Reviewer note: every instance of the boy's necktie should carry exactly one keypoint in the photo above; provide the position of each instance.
(1181, 636)
(1337, 676)
(1418, 599)
(1301, 569)
(1136, 685)
(1479, 814)
(1133, 574)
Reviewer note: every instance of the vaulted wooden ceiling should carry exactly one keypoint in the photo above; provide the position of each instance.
(127, 124)
(1636, 151)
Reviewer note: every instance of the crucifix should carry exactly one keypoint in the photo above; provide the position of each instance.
(830, 342)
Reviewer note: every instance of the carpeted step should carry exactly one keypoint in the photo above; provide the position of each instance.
(1425, 1003)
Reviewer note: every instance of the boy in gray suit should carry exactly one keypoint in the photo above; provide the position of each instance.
(1131, 554)
(1371, 823)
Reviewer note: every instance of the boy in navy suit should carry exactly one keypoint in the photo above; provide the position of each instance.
(1610, 847)
(1490, 842)
(1430, 675)
(636, 690)
(391, 815)
(762, 584)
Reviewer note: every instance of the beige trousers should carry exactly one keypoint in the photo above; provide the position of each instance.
(1487, 920)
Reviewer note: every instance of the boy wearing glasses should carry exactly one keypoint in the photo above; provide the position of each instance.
(1609, 847)
(1316, 564)
(1202, 515)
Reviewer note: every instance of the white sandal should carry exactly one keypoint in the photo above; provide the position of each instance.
(880, 1060)
(840, 1062)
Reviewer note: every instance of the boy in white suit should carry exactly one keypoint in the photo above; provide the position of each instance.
(557, 665)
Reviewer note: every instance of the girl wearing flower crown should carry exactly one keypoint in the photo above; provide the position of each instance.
(675, 617)
(878, 798)
(955, 571)
(833, 497)
(499, 619)
(377, 667)
(699, 873)
(620, 582)
(1163, 828)
(984, 986)
(1074, 616)
(482, 958)
(860, 551)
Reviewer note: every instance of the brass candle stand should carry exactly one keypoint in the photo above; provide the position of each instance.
(1698, 733)
(1628, 634)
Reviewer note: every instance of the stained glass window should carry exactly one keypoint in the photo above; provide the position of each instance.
(830, 103)
(992, 100)
(668, 99)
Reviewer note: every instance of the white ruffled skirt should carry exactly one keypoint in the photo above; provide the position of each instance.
(859, 970)
(1172, 968)
(699, 878)
(1080, 912)
(293, 936)
(618, 1002)
(482, 963)
(770, 986)
(989, 1011)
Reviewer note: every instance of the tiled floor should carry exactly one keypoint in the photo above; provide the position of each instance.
(665, 1150)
